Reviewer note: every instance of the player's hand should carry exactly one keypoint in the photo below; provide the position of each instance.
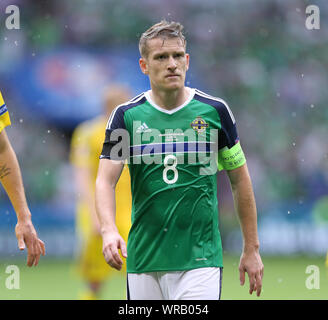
(251, 263)
(112, 242)
(27, 237)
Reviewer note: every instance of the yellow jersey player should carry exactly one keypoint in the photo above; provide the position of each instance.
(11, 179)
(86, 147)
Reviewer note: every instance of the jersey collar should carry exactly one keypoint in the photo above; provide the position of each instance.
(153, 104)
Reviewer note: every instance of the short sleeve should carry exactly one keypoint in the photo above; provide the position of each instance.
(4, 114)
(230, 153)
(228, 135)
(116, 144)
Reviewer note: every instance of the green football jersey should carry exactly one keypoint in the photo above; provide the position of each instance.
(172, 157)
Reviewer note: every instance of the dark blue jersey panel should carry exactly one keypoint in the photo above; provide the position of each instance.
(228, 135)
(116, 121)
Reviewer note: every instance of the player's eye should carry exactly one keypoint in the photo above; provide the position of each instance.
(160, 57)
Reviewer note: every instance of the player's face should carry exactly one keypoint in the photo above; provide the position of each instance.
(166, 64)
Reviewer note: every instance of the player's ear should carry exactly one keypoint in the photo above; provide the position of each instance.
(187, 61)
(143, 65)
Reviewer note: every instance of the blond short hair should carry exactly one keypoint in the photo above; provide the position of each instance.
(164, 30)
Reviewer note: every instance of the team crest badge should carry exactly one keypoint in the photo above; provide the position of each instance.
(199, 125)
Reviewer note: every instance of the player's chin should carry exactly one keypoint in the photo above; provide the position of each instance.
(174, 85)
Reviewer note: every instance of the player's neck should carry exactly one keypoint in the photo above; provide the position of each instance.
(170, 99)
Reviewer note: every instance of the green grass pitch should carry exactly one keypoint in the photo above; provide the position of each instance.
(284, 279)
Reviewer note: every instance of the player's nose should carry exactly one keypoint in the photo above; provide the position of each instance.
(172, 65)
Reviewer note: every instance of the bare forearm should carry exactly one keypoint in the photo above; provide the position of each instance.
(11, 179)
(250, 260)
(246, 209)
(105, 205)
(108, 174)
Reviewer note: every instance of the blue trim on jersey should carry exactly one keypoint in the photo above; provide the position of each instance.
(171, 147)
(116, 120)
(228, 135)
(137, 97)
(3, 109)
(133, 104)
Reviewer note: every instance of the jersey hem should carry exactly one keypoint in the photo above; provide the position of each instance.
(219, 265)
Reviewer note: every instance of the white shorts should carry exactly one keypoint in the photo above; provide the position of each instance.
(195, 284)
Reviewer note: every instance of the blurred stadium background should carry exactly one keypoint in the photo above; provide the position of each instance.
(257, 55)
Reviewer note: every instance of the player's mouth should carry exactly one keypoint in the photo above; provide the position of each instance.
(172, 76)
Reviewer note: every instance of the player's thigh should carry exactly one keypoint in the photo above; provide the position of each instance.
(198, 284)
(143, 286)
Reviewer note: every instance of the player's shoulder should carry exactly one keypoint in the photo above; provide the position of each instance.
(210, 99)
(117, 114)
(137, 100)
(219, 104)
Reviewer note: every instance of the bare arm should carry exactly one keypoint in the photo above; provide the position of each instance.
(11, 179)
(109, 172)
(245, 206)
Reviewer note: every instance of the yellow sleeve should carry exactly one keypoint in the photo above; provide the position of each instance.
(80, 149)
(4, 114)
